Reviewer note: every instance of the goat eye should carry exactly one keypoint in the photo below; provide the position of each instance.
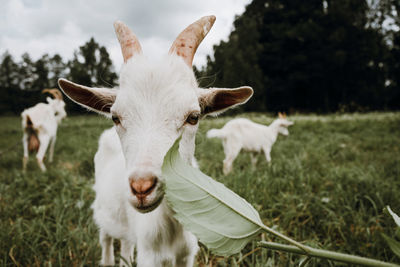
(193, 118)
(115, 119)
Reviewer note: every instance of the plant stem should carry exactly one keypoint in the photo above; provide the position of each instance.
(288, 239)
(326, 254)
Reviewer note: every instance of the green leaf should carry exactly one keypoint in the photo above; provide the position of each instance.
(393, 244)
(221, 219)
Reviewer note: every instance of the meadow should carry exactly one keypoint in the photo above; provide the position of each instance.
(326, 186)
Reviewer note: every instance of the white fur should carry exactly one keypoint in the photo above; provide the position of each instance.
(244, 134)
(45, 119)
(152, 106)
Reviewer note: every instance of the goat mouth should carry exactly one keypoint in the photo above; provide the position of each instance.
(148, 208)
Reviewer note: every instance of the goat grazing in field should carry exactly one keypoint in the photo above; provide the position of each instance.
(39, 125)
(156, 103)
(244, 134)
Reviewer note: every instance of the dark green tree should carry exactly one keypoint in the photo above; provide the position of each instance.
(57, 69)
(317, 55)
(21, 82)
(9, 84)
(92, 66)
(41, 73)
(385, 17)
(392, 93)
(236, 62)
(26, 72)
(34, 78)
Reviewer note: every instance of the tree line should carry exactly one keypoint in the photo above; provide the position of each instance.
(312, 56)
(299, 56)
(21, 82)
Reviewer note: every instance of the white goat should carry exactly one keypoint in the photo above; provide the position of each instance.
(155, 104)
(39, 125)
(244, 134)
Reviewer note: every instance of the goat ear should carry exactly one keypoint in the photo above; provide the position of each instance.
(49, 100)
(286, 123)
(96, 99)
(216, 100)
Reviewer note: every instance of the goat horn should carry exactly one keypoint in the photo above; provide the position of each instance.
(54, 92)
(185, 45)
(129, 43)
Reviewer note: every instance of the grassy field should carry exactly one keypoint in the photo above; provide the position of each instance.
(327, 185)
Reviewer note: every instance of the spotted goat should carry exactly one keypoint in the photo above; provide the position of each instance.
(39, 126)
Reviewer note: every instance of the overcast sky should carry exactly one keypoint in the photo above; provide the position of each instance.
(61, 26)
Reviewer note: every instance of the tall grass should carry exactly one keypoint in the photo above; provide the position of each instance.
(327, 185)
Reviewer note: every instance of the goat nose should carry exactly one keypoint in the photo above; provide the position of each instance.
(142, 187)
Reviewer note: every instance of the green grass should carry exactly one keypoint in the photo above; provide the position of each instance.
(326, 186)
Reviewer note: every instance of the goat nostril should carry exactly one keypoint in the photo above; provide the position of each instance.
(133, 188)
(143, 187)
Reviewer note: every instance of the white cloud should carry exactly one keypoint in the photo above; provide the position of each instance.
(56, 26)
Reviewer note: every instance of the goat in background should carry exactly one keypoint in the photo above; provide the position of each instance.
(39, 125)
(156, 103)
(244, 134)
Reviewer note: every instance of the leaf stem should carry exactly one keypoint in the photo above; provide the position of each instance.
(288, 239)
(326, 254)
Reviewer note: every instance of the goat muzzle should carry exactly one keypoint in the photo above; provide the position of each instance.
(143, 187)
